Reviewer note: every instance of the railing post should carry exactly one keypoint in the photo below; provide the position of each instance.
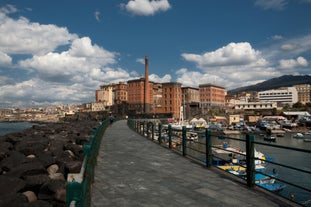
(144, 128)
(208, 148)
(250, 161)
(170, 136)
(160, 135)
(184, 141)
(152, 131)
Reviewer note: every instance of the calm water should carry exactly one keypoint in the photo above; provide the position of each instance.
(9, 127)
(292, 158)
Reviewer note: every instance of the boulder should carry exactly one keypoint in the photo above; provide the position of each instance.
(73, 166)
(31, 196)
(57, 176)
(52, 169)
(60, 194)
(27, 169)
(34, 182)
(14, 199)
(14, 159)
(10, 185)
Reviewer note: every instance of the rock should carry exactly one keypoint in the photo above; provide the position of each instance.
(10, 185)
(39, 203)
(60, 194)
(76, 149)
(31, 145)
(46, 158)
(73, 166)
(57, 176)
(14, 159)
(31, 156)
(48, 189)
(53, 169)
(34, 182)
(27, 169)
(31, 196)
(13, 200)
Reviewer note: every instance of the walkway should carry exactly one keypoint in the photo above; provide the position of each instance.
(134, 171)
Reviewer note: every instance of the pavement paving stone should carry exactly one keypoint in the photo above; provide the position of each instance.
(134, 171)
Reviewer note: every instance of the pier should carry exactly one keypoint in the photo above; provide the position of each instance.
(134, 171)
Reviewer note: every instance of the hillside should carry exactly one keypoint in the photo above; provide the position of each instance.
(283, 81)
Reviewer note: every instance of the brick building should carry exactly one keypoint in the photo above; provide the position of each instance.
(172, 98)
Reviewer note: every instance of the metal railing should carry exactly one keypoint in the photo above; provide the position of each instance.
(203, 149)
(78, 187)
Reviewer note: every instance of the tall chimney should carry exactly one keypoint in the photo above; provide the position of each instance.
(146, 95)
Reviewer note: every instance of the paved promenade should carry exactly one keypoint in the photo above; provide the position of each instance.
(134, 171)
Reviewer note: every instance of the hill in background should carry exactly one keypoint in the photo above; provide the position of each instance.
(274, 83)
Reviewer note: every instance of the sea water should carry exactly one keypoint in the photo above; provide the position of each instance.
(9, 127)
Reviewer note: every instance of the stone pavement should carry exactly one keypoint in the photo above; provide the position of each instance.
(133, 171)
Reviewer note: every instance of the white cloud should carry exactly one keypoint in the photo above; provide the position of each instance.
(271, 4)
(5, 59)
(277, 37)
(30, 38)
(155, 78)
(67, 76)
(97, 15)
(140, 60)
(232, 54)
(232, 66)
(293, 63)
(146, 7)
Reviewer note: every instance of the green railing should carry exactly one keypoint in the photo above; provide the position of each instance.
(78, 187)
(202, 150)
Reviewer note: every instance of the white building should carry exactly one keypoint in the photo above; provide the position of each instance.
(255, 105)
(281, 96)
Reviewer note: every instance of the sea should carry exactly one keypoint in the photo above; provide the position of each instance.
(9, 127)
(288, 157)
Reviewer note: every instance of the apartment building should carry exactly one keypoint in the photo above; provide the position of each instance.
(190, 102)
(120, 93)
(304, 93)
(282, 96)
(172, 99)
(105, 94)
(212, 95)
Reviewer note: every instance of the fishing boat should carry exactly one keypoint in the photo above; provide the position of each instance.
(298, 135)
(267, 182)
(269, 138)
(224, 154)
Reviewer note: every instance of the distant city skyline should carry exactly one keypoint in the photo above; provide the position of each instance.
(59, 52)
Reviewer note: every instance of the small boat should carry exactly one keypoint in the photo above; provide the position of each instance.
(268, 182)
(307, 139)
(298, 135)
(280, 135)
(270, 138)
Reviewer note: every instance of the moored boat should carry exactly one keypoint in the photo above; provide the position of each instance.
(298, 135)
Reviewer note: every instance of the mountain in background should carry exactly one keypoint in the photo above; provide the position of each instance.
(274, 83)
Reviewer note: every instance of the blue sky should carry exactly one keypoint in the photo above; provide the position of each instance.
(57, 52)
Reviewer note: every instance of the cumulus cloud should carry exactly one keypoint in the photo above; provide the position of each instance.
(232, 54)
(232, 66)
(5, 59)
(292, 63)
(146, 7)
(271, 4)
(67, 76)
(157, 79)
(30, 38)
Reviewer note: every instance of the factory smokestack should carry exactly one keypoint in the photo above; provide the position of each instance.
(146, 95)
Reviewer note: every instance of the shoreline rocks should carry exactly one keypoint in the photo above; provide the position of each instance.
(34, 163)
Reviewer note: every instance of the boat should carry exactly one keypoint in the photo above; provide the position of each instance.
(224, 154)
(307, 139)
(269, 138)
(280, 135)
(267, 182)
(298, 135)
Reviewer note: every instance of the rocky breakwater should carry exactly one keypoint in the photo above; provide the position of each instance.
(34, 163)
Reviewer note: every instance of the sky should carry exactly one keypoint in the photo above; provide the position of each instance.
(60, 52)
